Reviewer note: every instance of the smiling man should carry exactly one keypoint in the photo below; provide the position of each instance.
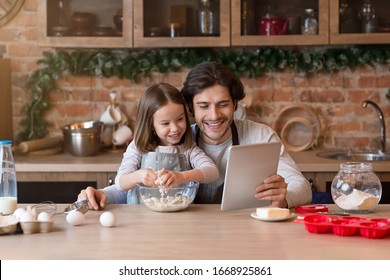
(212, 92)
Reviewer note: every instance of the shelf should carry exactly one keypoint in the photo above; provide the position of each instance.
(102, 11)
(156, 14)
(283, 10)
(350, 31)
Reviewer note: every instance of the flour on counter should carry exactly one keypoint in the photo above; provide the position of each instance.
(357, 200)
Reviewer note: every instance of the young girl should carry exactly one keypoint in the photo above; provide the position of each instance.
(162, 148)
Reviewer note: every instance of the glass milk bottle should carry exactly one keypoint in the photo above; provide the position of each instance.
(356, 188)
(8, 193)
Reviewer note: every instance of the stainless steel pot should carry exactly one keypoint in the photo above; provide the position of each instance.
(83, 138)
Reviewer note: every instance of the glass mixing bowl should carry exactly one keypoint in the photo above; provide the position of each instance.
(168, 199)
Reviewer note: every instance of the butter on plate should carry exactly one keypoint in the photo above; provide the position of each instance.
(272, 213)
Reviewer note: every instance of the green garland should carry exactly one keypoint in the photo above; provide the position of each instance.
(133, 64)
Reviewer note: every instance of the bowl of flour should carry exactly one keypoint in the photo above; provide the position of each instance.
(163, 199)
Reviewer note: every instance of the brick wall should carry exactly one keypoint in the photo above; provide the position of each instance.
(336, 98)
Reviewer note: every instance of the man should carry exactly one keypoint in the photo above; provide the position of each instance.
(212, 92)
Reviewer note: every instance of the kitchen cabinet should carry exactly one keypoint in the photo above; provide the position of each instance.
(347, 28)
(285, 18)
(175, 23)
(84, 24)
(59, 187)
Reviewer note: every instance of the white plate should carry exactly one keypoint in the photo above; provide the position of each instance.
(253, 215)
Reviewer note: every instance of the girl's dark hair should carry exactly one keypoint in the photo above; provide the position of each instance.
(156, 96)
(208, 74)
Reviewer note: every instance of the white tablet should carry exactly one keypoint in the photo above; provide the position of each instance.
(247, 167)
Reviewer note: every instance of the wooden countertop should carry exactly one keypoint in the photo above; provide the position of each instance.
(202, 232)
(105, 161)
(109, 161)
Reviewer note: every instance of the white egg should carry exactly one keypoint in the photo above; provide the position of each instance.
(75, 218)
(27, 217)
(18, 212)
(33, 211)
(107, 219)
(44, 217)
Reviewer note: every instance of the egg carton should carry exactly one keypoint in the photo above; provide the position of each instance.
(10, 224)
(346, 226)
(26, 227)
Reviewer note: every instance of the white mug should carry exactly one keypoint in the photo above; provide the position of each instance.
(111, 116)
(107, 135)
(121, 135)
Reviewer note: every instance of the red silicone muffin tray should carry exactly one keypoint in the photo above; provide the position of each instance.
(346, 225)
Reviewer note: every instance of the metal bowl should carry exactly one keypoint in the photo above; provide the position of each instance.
(83, 139)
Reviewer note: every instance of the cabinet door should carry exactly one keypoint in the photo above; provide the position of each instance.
(174, 23)
(277, 22)
(349, 25)
(84, 24)
(59, 187)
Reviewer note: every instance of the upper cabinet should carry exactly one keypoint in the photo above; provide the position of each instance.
(85, 23)
(181, 23)
(280, 22)
(359, 22)
(211, 23)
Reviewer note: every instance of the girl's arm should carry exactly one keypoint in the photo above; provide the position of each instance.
(129, 173)
(145, 176)
(204, 170)
(170, 178)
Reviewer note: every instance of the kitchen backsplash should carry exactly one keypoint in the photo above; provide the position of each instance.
(335, 98)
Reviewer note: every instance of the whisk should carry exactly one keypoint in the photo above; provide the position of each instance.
(45, 206)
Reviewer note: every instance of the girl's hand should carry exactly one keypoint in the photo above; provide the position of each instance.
(147, 177)
(169, 178)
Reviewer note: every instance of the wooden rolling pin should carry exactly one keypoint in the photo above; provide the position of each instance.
(39, 144)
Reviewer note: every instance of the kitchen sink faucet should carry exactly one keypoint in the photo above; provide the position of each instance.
(381, 120)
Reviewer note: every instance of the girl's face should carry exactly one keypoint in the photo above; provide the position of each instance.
(169, 123)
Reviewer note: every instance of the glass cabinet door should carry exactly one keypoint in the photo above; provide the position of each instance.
(181, 23)
(359, 22)
(85, 23)
(280, 22)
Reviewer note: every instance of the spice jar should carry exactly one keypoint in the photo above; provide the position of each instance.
(356, 188)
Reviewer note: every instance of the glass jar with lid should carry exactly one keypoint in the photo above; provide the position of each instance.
(309, 23)
(356, 188)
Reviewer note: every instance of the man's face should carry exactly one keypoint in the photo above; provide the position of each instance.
(213, 110)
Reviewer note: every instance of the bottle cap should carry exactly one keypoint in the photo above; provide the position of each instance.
(5, 142)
